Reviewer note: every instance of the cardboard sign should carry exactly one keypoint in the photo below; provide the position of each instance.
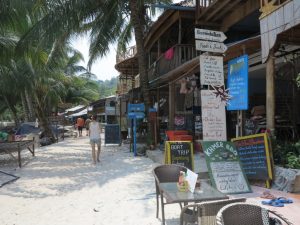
(180, 153)
(255, 156)
(224, 167)
(213, 117)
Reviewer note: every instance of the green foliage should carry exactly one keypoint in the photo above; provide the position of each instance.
(298, 80)
(107, 87)
(293, 160)
(286, 153)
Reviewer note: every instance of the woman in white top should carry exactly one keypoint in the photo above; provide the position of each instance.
(95, 139)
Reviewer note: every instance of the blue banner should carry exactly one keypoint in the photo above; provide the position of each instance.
(237, 83)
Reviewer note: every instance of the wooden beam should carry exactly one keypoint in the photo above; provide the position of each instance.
(171, 105)
(239, 13)
(218, 8)
(229, 8)
(270, 92)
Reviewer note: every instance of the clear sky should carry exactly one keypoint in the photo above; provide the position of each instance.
(104, 68)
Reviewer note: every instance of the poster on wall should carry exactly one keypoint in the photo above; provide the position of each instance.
(224, 167)
(211, 70)
(213, 117)
(237, 83)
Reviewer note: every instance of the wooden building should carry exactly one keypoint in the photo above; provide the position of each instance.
(257, 28)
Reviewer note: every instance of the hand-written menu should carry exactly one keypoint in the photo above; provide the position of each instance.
(252, 153)
(112, 134)
(211, 70)
(213, 117)
(229, 177)
(181, 153)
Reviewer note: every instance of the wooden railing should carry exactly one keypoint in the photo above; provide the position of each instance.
(165, 64)
(130, 52)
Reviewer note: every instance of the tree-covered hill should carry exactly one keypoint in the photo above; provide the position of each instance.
(107, 87)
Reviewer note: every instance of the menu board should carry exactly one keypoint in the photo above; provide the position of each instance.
(213, 117)
(211, 70)
(112, 134)
(255, 157)
(224, 167)
(180, 153)
(237, 83)
(250, 126)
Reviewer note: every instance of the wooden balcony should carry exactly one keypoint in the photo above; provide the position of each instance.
(130, 52)
(181, 54)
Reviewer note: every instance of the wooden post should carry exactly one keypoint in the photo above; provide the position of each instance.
(19, 155)
(179, 32)
(270, 92)
(171, 105)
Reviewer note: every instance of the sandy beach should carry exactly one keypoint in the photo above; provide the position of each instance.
(61, 186)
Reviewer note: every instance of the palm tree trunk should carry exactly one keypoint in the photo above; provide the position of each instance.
(30, 106)
(43, 119)
(24, 106)
(138, 21)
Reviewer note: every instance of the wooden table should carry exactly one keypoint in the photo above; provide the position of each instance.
(17, 146)
(170, 192)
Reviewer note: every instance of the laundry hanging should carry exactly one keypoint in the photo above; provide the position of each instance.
(169, 53)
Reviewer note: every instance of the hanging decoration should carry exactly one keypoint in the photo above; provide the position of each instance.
(221, 93)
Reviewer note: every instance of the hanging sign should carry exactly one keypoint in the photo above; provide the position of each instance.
(179, 152)
(210, 35)
(210, 46)
(213, 117)
(224, 167)
(211, 70)
(237, 83)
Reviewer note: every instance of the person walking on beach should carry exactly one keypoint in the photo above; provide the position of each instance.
(87, 126)
(95, 139)
(80, 124)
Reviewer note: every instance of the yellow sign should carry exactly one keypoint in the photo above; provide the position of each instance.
(256, 156)
(180, 152)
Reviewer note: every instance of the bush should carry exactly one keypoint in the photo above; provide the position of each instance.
(286, 153)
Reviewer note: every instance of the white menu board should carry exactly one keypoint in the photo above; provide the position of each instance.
(213, 117)
(211, 70)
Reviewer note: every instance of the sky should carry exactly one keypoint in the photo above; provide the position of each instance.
(103, 68)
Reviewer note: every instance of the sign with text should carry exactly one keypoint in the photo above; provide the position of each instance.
(180, 153)
(213, 117)
(237, 83)
(255, 156)
(224, 167)
(210, 46)
(211, 70)
(209, 35)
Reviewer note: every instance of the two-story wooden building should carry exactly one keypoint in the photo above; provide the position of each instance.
(265, 30)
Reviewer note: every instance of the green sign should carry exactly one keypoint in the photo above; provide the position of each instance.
(224, 167)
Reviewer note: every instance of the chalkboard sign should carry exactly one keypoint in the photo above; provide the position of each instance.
(255, 156)
(180, 153)
(224, 167)
(112, 134)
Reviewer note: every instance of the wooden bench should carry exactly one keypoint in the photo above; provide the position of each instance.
(16, 146)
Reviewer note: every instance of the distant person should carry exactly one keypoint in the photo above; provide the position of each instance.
(95, 139)
(87, 125)
(80, 124)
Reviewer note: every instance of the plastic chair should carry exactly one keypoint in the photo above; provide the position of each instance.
(204, 213)
(164, 174)
(250, 214)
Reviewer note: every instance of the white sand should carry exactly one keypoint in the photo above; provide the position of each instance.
(61, 186)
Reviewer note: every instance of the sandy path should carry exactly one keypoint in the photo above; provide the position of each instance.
(61, 186)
